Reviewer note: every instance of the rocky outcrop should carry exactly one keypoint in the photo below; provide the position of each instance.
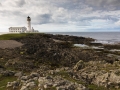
(99, 73)
(51, 62)
(43, 49)
(7, 73)
(79, 65)
(37, 82)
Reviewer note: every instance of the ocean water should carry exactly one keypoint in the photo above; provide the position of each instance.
(100, 37)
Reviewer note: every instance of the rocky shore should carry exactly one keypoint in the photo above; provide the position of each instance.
(52, 62)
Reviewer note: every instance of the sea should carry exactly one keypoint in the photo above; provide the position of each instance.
(100, 37)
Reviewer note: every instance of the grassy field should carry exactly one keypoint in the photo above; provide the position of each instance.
(11, 36)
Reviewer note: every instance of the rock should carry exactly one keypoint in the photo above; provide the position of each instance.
(40, 89)
(40, 85)
(114, 78)
(79, 65)
(60, 88)
(24, 88)
(13, 84)
(81, 87)
(49, 77)
(25, 78)
(35, 78)
(70, 87)
(34, 74)
(18, 74)
(57, 70)
(55, 85)
(29, 80)
(9, 84)
(62, 83)
(30, 85)
(51, 72)
(102, 80)
(66, 68)
(45, 86)
(7, 73)
(41, 80)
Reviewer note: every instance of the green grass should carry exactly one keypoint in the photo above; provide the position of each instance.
(66, 76)
(95, 87)
(51, 88)
(11, 36)
(4, 80)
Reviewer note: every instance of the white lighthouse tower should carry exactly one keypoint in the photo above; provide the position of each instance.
(23, 29)
(29, 24)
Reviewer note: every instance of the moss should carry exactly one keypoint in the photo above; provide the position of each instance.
(4, 80)
(66, 76)
(11, 36)
(51, 88)
(95, 87)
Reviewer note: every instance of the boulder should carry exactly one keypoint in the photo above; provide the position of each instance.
(7, 73)
(102, 80)
(34, 74)
(30, 85)
(24, 78)
(13, 84)
(60, 88)
(24, 88)
(79, 65)
(18, 74)
(70, 87)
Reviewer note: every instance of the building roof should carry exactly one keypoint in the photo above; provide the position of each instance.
(17, 27)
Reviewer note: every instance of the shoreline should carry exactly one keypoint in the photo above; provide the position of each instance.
(113, 37)
(111, 42)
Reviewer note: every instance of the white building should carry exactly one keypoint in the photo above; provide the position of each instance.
(17, 29)
(23, 29)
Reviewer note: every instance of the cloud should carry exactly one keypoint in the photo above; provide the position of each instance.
(71, 15)
(106, 4)
(43, 19)
(20, 3)
(13, 3)
(117, 23)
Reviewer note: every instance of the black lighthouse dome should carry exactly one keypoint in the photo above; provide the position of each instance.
(28, 18)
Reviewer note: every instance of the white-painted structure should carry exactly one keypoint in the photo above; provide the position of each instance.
(29, 24)
(17, 29)
(23, 29)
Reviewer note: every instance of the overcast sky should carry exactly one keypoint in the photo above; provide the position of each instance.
(61, 15)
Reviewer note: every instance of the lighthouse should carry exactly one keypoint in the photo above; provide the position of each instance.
(29, 24)
(23, 29)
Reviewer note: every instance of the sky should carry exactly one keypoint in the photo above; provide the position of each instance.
(61, 15)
